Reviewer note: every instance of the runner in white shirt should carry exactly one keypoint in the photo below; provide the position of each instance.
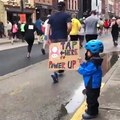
(45, 35)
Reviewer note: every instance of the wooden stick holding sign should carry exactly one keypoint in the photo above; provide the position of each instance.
(64, 56)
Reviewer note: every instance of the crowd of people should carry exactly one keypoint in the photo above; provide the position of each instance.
(81, 29)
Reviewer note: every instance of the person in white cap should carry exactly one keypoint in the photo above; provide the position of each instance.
(115, 31)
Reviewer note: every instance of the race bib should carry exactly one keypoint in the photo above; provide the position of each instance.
(30, 27)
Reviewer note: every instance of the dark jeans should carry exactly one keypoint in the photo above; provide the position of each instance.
(92, 101)
(91, 37)
(74, 37)
(115, 36)
(30, 44)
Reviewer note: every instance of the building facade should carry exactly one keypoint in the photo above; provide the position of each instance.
(10, 10)
(43, 8)
(72, 6)
(117, 8)
(14, 11)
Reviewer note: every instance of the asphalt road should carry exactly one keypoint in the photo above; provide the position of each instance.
(29, 94)
(14, 59)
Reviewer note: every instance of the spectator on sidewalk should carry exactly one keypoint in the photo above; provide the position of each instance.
(91, 26)
(14, 32)
(59, 27)
(92, 74)
(0, 29)
(9, 29)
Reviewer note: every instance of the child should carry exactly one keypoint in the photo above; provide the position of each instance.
(92, 74)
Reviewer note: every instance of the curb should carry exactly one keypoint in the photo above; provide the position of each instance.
(6, 42)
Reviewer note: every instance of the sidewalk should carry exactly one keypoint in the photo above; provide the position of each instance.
(5, 44)
(4, 41)
(110, 96)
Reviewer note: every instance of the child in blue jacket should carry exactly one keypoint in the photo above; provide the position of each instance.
(92, 74)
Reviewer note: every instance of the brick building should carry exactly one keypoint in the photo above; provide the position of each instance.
(117, 8)
(72, 6)
(13, 11)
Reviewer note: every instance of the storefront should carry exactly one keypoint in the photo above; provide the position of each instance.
(42, 11)
(15, 14)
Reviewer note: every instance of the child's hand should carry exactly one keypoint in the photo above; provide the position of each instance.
(80, 60)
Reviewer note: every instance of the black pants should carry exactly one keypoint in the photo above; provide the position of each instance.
(81, 39)
(14, 35)
(74, 37)
(92, 101)
(0, 34)
(91, 37)
(114, 36)
(22, 35)
(30, 44)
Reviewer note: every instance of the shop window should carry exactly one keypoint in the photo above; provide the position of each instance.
(26, 1)
(69, 4)
(72, 4)
(75, 5)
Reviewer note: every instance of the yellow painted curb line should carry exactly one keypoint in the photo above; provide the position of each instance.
(81, 110)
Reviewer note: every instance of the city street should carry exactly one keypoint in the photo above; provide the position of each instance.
(26, 88)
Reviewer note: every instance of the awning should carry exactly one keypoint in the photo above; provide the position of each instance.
(18, 10)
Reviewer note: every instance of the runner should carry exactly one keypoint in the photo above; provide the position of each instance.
(100, 27)
(29, 35)
(106, 25)
(76, 26)
(22, 30)
(38, 25)
(59, 26)
(45, 35)
(114, 31)
(91, 26)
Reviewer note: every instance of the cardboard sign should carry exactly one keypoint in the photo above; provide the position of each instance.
(64, 56)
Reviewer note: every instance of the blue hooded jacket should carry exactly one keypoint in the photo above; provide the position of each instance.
(92, 72)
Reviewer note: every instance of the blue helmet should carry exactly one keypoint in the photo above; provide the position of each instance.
(94, 46)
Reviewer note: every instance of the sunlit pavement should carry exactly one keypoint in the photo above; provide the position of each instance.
(29, 94)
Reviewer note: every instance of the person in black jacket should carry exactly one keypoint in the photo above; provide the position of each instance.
(114, 31)
(29, 35)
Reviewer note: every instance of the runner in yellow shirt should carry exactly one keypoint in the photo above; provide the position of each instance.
(76, 26)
